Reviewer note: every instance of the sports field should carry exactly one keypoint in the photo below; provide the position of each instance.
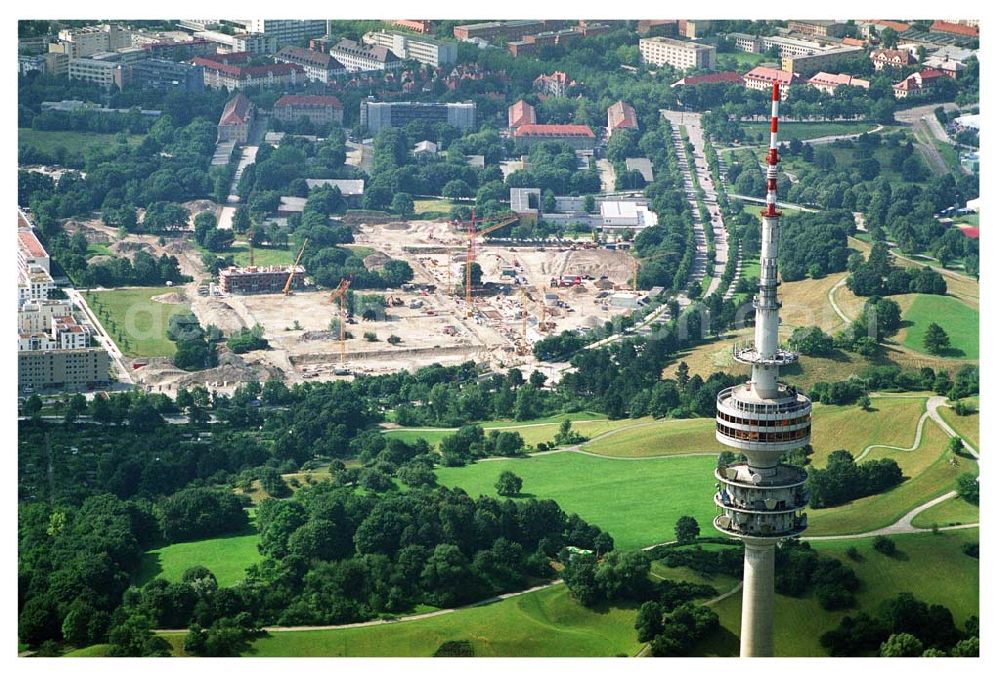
(637, 501)
(137, 324)
(960, 322)
(75, 143)
(546, 623)
(227, 558)
(930, 566)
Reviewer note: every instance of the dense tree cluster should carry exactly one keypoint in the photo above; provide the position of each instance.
(799, 570)
(879, 277)
(842, 480)
(247, 339)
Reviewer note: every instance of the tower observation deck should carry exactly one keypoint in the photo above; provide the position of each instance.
(760, 500)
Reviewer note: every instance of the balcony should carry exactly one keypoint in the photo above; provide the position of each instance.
(750, 528)
(789, 400)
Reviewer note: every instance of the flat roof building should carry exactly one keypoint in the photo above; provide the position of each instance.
(64, 369)
(424, 50)
(626, 214)
(493, 30)
(378, 115)
(320, 110)
(230, 71)
(260, 279)
(810, 63)
(828, 82)
(681, 54)
(96, 71)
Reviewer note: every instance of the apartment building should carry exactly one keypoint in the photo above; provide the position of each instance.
(283, 31)
(680, 54)
(555, 85)
(254, 43)
(78, 43)
(320, 110)
(98, 71)
(358, 57)
(378, 115)
(745, 42)
(237, 119)
(828, 82)
(317, 65)
(164, 75)
(621, 116)
(763, 78)
(424, 50)
(37, 316)
(918, 84)
(827, 29)
(260, 279)
(891, 58)
(30, 251)
(500, 30)
(580, 137)
(810, 63)
(230, 72)
(62, 369)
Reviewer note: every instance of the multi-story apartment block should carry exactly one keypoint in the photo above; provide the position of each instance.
(164, 75)
(320, 110)
(260, 279)
(828, 82)
(63, 333)
(284, 31)
(827, 29)
(79, 43)
(363, 58)
(378, 115)
(918, 84)
(415, 25)
(30, 62)
(680, 54)
(426, 51)
(34, 280)
(693, 29)
(37, 316)
(30, 251)
(621, 116)
(763, 78)
(64, 369)
(317, 65)
(254, 43)
(97, 71)
(228, 71)
(580, 137)
(745, 42)
(555, 85)
(810, 63)
(499, 30)
(237, 119)
(892, 58)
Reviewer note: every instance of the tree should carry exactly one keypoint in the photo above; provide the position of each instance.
(402, 204)
(936, 339)
(649, 621)
(967, 487)
(509, 484)
(901, 645)
(686, 529)
(884, 545)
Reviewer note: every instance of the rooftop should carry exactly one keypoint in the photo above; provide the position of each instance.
(28, 242)
(307, 100)
(236, 111)
(553, 131)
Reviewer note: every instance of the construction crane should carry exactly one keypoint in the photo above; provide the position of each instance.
(340, 295)
(291, 273)
(505, 219)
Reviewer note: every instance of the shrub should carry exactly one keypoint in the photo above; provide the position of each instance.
(884, 545)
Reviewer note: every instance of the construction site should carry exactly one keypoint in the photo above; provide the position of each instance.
(525, 294)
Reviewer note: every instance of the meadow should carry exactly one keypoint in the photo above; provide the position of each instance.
(545, 623)
(967, 426)
(960, 322)
(137, 324)
(923, 559)
(533, 432)
(804, 131)
(262, 256)
(75, 143)
(227, 558)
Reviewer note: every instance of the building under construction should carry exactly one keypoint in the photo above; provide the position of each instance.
(260, 279)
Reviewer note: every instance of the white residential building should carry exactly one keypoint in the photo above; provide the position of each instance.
(407, 46)
(681, 54)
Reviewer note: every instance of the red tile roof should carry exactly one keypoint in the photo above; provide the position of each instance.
(241, 72)
(771, 75)
(956, 29)
(833, 80)
(854, 42)
(901, 55)
(621, 116)
(29, 242)
(897, 26)
(520, 113)
(969, 231)
(307, 100)
(553, 131)
(713, 78)
(236, 111)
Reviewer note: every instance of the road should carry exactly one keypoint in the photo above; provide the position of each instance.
(117, 359)
(925, 128)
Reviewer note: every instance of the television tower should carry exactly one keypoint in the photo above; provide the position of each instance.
(760, 500)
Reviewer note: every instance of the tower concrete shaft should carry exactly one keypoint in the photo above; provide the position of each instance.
(760, 500)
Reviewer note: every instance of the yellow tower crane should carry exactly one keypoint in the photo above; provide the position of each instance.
(340, 295)
(291, 273)
(501, 220)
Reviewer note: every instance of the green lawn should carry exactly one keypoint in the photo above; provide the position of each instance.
(262, 256)
(546, 623)
(227, 558)
(932, 567)
(432, 209)
(740, 61)
(967, 426)
(137, 324)
(75, 143)
(98, 248)
(637, 501)
(954, 511)
(100, 650)
(960, 322)
(535, 431)
(659, 438)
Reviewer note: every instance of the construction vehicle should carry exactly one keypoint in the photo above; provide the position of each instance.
(499, 221)
(291, 273)
(340, 295)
